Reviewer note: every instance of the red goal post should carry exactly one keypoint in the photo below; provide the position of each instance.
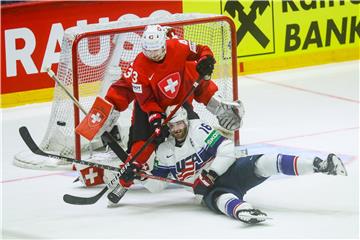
(95, 55)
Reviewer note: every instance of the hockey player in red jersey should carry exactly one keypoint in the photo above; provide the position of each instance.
(161, 75)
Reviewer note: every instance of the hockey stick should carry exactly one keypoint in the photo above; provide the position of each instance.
(107, 138)
(169, 180)
(167, 119)
(57, 80)
(29, 141)
(110, 140)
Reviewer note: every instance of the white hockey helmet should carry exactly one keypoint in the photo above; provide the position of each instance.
(153, 42)
(180, 115)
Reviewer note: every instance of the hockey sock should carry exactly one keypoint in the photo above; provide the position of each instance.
(294, 165)
(272, 164)
(287, 164)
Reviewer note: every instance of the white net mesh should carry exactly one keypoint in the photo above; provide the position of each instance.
(104, 51)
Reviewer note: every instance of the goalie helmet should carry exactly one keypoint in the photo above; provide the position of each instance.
(153, 42)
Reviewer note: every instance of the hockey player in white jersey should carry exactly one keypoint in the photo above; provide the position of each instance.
(198, 154)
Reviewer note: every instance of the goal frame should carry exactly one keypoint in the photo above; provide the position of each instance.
(120, 30)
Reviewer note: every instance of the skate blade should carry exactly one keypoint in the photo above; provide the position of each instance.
(247, 216)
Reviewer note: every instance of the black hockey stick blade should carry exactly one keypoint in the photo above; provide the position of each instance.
(84, 200)
(29, 141)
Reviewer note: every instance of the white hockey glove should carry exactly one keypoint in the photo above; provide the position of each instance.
(229, 114)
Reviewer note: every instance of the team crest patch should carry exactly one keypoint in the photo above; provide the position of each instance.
(97, 117)
(170, 85)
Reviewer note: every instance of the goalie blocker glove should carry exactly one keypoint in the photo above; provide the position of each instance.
(229, 114)
(101, 117)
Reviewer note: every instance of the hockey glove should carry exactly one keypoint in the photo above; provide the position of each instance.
(229, 114)
(127, 178)
(204, 182)
(155, 120)
(205, 66)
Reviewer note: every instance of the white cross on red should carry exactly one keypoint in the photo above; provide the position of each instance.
(92, 175)
(95, 118)
(171, 85)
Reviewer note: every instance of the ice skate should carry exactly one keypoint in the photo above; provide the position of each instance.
(251, 216)
(115, 195)
(247, 214)
(331, 166)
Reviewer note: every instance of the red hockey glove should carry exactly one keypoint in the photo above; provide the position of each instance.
(205, 66)
(204, 182)
(155, 120)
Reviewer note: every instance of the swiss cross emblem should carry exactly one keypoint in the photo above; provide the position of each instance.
(92, 175)
(96, 117)
(170, 85)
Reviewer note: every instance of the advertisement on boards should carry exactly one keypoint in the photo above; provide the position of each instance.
(32, 33)
(271, 35)
(274, 35)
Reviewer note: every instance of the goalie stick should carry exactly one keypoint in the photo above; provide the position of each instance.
(29, 141)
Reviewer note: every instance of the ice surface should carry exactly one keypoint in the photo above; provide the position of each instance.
(313, 110)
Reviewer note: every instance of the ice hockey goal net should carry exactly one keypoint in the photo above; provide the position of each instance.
(95, 55)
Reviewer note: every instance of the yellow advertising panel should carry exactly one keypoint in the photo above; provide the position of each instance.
(273, 35)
